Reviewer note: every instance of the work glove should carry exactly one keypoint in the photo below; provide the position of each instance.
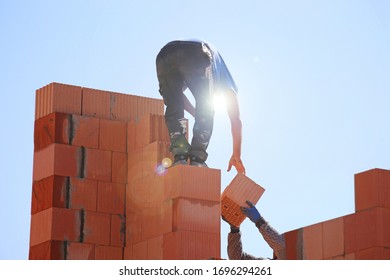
(251, 212)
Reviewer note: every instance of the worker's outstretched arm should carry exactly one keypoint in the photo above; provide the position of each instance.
(236, 127)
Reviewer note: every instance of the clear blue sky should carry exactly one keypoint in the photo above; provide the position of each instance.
(314, 91)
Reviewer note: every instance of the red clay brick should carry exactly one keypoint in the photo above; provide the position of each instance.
(53, 128)
(96, 103)
(134, 165)
(374, 253)
(366, 229)
(146, 161)
(155, 248)
(137, 194)
(55, 224)
(199, 183)
(148, 223)
(98, 164)
(350, 256)
(235, 195)
(62, 128)
(147, 105)
(165, 216)
(83, 194)
(48, 192)
(123, 107)
(187, 245)
(140, 251)
(145, 192)
(133, 228)
(151, 128)
(118, 227)
(48, 250)
(111, 197)
(80, 251)
(128, 253)
(196, 215)
(153, 154)
(108, 253)
(119, 167)
(64, 192)
(131, 108)
(57, 159)
(131, 136)
(85, 131)
(294, 246)
(372, 189)
(97, 228)
(57, 97)
(312, 242)
(113, 135)
(333, 237)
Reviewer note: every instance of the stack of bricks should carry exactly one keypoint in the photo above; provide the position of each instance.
(99, 191)
(363, 235)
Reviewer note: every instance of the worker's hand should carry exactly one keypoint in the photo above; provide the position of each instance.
(237, 163)
(251, 212)
(232, 227)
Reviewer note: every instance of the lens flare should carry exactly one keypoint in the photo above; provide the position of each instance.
(166, 162)
(160, 169)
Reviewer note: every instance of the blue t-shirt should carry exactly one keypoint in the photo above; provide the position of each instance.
(222, 79)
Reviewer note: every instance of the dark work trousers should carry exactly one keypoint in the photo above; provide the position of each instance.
(181, 65)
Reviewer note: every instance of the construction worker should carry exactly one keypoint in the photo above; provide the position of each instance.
(198, 66)
(270, 235)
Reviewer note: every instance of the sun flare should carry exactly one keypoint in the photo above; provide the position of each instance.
(219, 102)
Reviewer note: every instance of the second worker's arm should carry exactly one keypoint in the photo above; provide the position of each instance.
(270, 235)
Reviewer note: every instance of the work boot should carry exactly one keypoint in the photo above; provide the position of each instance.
(180, 160)
(195, 161)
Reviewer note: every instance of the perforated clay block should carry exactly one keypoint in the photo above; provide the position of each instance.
(235, 195)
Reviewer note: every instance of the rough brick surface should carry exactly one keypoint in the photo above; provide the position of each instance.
(111, 197)
(49, 192)
(53, 128)
(85, 131)
(57, 159)
(57, 97)
(108, 253)
(96, 228)
(333, 237)
(119, 167)
(372, 189)
(366, 229)
(97, 164)
(187, 245)
(48, 250)
(79, 251)
(113, 136)
(312, 242)
(55, 224)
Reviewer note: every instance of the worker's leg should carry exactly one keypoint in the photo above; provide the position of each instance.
(197, 74)
(171, 88)
(204, 112)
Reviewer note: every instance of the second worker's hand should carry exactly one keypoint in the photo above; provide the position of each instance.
(251, 212)
(237, 163)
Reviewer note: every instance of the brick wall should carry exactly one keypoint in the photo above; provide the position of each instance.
(363, 235)
(98, 191)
